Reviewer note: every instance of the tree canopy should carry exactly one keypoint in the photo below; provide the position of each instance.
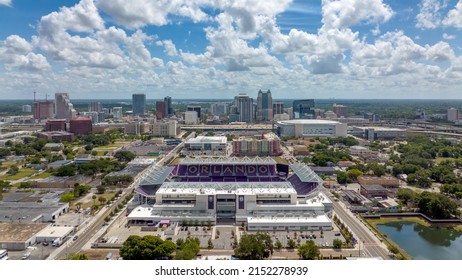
(308, 251)
(124, 156)
(254, 247)
(146, 248)
(188, 249)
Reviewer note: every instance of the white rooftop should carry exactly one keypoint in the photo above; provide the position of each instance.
(288, 219)
(228, 160)
(55, 231)
(207, 139)
(308, 121)
(226, 187)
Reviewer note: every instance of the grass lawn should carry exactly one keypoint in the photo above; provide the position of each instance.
(8, 163)
(112, 146)
(107, 195)
(280, 160)
(42, 175)
(176, 161)
(21, 174)
(440, 159)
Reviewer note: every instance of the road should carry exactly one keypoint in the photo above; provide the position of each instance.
(95, 225)
(369, 244)
(90, 230)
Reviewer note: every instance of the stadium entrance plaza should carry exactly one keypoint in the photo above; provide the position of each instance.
(222, 236)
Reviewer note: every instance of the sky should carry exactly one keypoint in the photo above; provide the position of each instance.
(194, 49)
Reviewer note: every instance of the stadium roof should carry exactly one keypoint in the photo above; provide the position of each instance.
(156, 175)
(231, 160)
(228, 187)
(306, 174)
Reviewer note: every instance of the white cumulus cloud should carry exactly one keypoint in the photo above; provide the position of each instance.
(347, 13)
(454, 17)
(429, 16)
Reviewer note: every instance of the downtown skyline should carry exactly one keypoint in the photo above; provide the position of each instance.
(347, 49)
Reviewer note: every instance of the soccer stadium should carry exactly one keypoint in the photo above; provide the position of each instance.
(257, 191)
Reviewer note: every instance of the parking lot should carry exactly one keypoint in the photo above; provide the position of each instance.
(222, 236)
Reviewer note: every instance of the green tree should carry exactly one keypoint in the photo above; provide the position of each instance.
(4, 152)
(308, 251)
(377, 169)
(210, 244)
(67, 197)
(337, 243)
(254, 247)
(179, 242)
(188, 250)
(25, 185)
(146, 248)
(100, 189)
(66, 170)
(5, 186)
(291, 244)
(101, 200)
(278, 244)
(77, 257)
(406, 196)
(14, 169)
(80, 190)
(124, 156)
(353, 174)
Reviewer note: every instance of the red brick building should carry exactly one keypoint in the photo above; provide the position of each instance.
(81, 125)
(55, 125)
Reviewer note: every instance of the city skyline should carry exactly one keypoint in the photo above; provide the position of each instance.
(347, 49)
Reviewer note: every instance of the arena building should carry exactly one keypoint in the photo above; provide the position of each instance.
(311, 128)
(257, 191)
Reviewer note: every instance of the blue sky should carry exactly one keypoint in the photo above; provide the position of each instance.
(106, 49)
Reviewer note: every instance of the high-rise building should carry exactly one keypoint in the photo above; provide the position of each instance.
(43, 110)
(190, 117)
(259, 145)
(278, 108)
(165, 128)
(96, 117)
(194, 108)
(244, 105)
(264, 106)
(303, 109)
(63, 107)
(139, 103)
(26, 108)
(340, 110)
(95, 107)
(168, 104)
(219, 109)
(453, 114)
(117, 113)
(161, 109)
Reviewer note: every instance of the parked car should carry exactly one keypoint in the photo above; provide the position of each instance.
(75, 237)
(44, 243)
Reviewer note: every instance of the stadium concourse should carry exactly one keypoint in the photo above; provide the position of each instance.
(257, 191)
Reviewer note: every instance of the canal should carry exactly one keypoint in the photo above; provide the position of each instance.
(423, 242)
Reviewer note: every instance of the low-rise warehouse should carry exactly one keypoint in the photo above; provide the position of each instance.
(17, 237)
